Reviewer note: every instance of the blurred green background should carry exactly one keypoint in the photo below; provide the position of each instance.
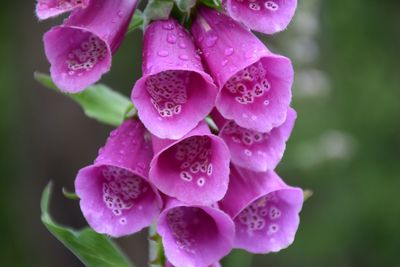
(345, 147)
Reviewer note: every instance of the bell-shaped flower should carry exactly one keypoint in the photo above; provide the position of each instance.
(265, 210)
(267, 16)
(80, 51)
(255, 84)
(175, 93)
(51, 8)
(116, 197)
(255, 150)
(168, 264)
(194, 169)
(194, 236)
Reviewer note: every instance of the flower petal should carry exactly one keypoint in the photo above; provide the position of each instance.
(116, 197)
(265, 210)
(194, 169)
(80, 51)
(174, 93)
(255, 84)
(195, 235)
(267, 16)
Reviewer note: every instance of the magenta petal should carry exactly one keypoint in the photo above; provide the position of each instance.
(116, 197)
(255, 150)
(174, 93)
(255, 84)
(80, 51)
(51, 8)
(265, 210)
(168, 264)
(267, 16)
(194, 169)
(195, 235)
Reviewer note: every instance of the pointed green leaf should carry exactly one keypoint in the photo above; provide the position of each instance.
(93, 249)
(98, 101)
(213, 3)
(137, 21)
(156, 10)
(185, 5)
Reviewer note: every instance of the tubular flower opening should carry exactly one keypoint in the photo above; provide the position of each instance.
(175, 93)
(80, 51)
(116, 197)
(267, 16)
(265, 210)
(254, 150)
(51, 8)
(254, 84)
(194, 169)
(195, 235)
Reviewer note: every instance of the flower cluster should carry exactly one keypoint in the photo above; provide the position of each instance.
(207, 192)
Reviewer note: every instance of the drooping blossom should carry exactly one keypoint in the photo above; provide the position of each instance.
(51, 8)
(116, 197)
(168, 264)
(267, 16)
(255, 150)
(174, 93)
(194, 169)
(80, 51)
(265, 210)
(194, 235)
(255, 84)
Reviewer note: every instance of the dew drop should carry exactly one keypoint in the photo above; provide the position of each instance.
(182, 45)
(211, 40)
(163, 53)
(168, 26)
(171, 38)
(184, 57)
(229, 51)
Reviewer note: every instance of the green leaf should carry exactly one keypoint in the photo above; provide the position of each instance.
(185, 5)
(137, 21)
(98, 101)
(213, 3)
(157, 10)
(93, 249)
(238, 258)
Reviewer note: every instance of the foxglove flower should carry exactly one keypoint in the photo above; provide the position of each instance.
(265, 210)
(168, 264)
(194, 235)
(255, 150)
(51, 8)
(194, 169)
(267, 16)
(80, 51)
(174, 93)
(255, 85)
(115, 195)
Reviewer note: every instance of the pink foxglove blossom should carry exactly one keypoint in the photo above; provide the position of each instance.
(255, 150)
(255, 84)
(265, 210)
(195, 236)
(116, 197)
(51, 8)
(194, 169)
(267, 16)
(80, 51)
(174, 93)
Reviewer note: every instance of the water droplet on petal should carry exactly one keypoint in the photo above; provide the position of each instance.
(163, 53)
(171, 38)
(184, 57)
(211, 40)
(229, 51)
